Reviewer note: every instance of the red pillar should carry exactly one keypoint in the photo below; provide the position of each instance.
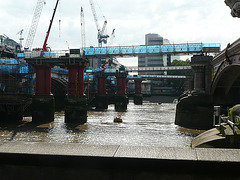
(81, 80)
(138, 86)
(102, 82)
(121, 85)
(43, 80)
(76, 80)
(126, 86)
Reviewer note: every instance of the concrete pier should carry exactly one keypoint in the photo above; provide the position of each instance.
(76, 109)
(138, 99)
(43, 103)
(121, 102)
(43, 108)
(101, 101)
(76, 161)
(76, 102)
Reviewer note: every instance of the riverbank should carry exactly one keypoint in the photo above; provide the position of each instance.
(76, 161)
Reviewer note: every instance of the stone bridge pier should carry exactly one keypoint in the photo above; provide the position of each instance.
(195, 109)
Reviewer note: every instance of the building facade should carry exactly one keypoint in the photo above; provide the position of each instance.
(151, 60)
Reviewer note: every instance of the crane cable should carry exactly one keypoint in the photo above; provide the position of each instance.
(60, 19)
(100, 10)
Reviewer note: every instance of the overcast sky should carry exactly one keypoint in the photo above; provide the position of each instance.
(180, 21)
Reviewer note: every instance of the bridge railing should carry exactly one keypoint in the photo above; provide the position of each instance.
(45, 54)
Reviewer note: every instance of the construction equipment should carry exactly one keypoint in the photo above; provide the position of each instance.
(103, 66)
(112, 37)
(101, 36)
(21, 38)
(83, 35)
(33, 28)
(49, 28)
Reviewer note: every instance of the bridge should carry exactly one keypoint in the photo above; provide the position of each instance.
(216, 83)
(120, 51)
(75, 61)
(163, 68)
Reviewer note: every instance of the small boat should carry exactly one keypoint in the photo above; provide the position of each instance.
(118, 119)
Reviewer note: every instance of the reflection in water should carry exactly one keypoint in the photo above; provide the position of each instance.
(150, 124)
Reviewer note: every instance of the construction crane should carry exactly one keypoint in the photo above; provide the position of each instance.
(112, 37)
(49, 28)
(83, 35)
(21, 38)
(33, 28)
(101, 36)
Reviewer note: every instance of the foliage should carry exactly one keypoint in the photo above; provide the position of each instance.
(181, 63)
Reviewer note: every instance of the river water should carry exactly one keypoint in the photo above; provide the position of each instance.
(151, 124)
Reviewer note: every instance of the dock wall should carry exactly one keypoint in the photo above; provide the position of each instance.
(75, 161)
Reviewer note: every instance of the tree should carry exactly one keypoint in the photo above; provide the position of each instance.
(181, 63)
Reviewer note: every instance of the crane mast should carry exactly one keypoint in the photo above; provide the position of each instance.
(49, 28)
(101, 36)
(83, 35)
(95, 15)
(34, 24)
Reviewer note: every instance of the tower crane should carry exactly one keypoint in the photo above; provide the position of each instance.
(83, 35)
(112, 37)
(34, 24)
(101, 36)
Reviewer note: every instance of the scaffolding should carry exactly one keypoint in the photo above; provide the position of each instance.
(16, 77)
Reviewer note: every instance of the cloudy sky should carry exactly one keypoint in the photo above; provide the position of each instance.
(180, 21)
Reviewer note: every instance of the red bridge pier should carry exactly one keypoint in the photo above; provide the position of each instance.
(138, 98)
(76, 102)
(43, 103)
(121, 99)
(101, 96)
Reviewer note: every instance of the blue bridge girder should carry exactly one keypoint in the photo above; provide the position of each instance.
(189, 48)
(162, 68)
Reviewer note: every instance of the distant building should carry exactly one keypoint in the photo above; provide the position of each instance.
(156, 60)
(151, 60)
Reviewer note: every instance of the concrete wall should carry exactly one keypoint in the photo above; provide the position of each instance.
(75, 161)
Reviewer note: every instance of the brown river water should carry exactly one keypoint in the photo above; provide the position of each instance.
(151, 124)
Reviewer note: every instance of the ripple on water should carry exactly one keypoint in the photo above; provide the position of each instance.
(150, 124)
